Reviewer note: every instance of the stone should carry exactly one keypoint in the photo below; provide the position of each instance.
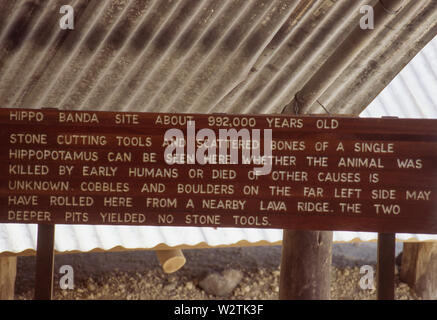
(170, 287)
(91, 287)
(221, 285)
(189, 285)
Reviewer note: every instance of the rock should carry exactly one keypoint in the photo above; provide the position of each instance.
(91, 287)
(189, 285)
(170, 287)
(221, 285)
(403, 286)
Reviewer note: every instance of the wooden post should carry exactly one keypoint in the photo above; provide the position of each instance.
(386, 266)
(306, 265)
(419, 268)
(171, 260)
(8, 272)
(44, 262)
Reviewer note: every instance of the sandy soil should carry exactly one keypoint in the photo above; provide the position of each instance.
(138, 275)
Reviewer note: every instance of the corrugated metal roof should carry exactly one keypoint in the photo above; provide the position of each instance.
(232, 56)
(413, 93)
(205, 56)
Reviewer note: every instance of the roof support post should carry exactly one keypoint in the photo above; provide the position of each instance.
(386, 266)
(44, 262)
(306, 265)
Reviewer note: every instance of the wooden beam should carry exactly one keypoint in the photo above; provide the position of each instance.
(386, 266)
(44, 262)
(171, 260)
(419, 268)
(8, 272)
(306, 265)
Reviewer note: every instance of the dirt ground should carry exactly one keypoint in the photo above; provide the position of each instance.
(138, 275)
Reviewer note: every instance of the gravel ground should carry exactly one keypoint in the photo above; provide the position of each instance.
(137, 274)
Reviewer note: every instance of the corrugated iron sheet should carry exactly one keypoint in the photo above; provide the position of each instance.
(232, 56)
(202, 56)
(413, 93)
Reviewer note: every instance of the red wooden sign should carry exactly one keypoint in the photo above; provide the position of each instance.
(263, 171)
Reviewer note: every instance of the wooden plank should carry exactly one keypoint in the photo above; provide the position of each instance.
(44, 262)
(171, 260)
(386, 266)
(419, 268)
(306, 265)
(8, 272)
(324, 173)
